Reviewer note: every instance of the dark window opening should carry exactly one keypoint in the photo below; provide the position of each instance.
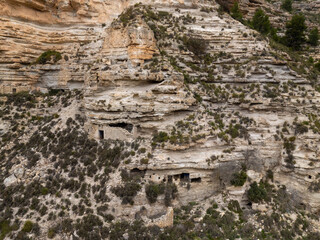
(14, 90)
(249, 204)
(184, 176)
(126, 126)
(136, 170)
(310, 176)
(55, 91)
(196, 180)
(101, 134)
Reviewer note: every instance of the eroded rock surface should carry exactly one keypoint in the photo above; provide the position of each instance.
(186, 96)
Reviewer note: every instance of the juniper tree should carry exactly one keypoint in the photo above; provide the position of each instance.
(295, 32)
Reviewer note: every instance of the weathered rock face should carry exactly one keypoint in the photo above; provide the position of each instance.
(64, 12)
(136, 103)
(28, 29)
(77, 29)
(209, 93)
(133, 43)
(17, 69)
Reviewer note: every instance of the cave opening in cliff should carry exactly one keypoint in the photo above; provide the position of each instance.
(101, 134)
(126, 126)
(14, 90)
(184, 177)
(55, 91)
(137, 172)
(196, 180)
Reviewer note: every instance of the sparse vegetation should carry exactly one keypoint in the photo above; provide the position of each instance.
(126, 16)
(127, 192)
(260, 22)
(196, 45)
(239, 178)
(48, 56)
(259, 192)
(81, 178)
(153, 190)
(314, 37)
(235, 12)
(287, 5)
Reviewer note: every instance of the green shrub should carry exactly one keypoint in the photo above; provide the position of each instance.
(163, 14)
(5, 228)
(27, 227)
(51, 233)
(126, 16)
(160, 137)
(269, 175)
(234, 206)
(257, 193)
(196, 45)
(235, 12)
(301, 128)
(153, 190)
(314, 37)
(287, 5)
(47, 56)
(289, 145)
(260, 22)
(44, 191)
(239, 178)
(170, 193)
(144, 161)
(295, 32)
(127, 192)
(89, 226)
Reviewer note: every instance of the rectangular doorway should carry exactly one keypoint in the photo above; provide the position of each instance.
(101, 134)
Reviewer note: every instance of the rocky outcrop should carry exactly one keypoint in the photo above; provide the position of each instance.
(199, 96)
(133, 89)
(65, 12)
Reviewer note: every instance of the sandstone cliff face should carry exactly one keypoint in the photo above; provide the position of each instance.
(202, 116)
(74, 28)
(64, 12)
(77, 29)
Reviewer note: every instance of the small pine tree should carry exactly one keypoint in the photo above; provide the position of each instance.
(287, 5)
(239, 178)
(295, 32)
(260, 22)
(274, 35)
(235, 12)
(314, 37)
